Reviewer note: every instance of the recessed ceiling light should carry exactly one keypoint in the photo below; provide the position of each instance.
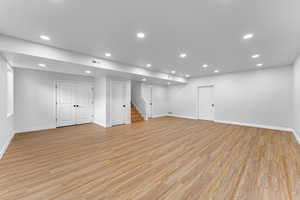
(183, 55)
(205, 65)
(144, 79)
(148, 65)
(187, 76)
(259, 65)
(173, 72)
(45, 37)
(88, 72)
(216, 71)
(248, 36)
(255, 56)
(141, 35)
(42, 65)
(107, 54)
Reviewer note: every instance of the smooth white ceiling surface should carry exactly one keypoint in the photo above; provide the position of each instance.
(209, 31)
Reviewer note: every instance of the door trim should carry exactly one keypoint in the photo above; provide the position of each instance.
(197, 100)
(55, 96)
(127, 112)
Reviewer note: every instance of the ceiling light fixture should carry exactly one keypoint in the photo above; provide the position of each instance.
(148, 65)
(248, 36)
(169, 83)
(187, 76)
(144, 79)
(88, 72)
(183, 55)
(205, 65)
(255, 56)
(173, 72)
(45, 37)
(216, 71)
(107, 54)
(259, 65)
(42, 65)
(141, 35)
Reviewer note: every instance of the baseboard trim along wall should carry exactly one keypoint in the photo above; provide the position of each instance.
(160, 115)
(296, 136)
(100, 124)
(4, 148)
(181, 116)
(256, 125)
(31, 129)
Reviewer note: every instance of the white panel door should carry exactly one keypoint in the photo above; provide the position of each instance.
(84, 104)
(66, 115)
(117, 103)
(205, 103)
(148, 98)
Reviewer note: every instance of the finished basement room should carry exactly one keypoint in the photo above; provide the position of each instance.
(149, 100)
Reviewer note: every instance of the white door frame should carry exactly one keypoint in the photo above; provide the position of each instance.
(127, 111)
(55, 85)
(197, 111)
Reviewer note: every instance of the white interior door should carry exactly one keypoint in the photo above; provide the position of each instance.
(66, 115)
(118, 102)
(148, 98)
(74, 104)
(205, 103)
(84, 104)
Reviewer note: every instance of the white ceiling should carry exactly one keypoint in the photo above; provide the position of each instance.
(209, 31)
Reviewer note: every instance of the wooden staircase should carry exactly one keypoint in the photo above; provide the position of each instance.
(135, 115)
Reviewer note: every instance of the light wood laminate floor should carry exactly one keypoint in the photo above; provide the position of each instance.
(163, 158)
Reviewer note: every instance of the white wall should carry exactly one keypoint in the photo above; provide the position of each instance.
(101, 101)
(6, 123)
(297, 96)
(262, 97)
(35, 98)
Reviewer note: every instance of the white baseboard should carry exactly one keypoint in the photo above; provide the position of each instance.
(256, 125)
(37, 128)
(4, 148)
(296, 136)
(181, 116)
(100, 123)
(160, 115)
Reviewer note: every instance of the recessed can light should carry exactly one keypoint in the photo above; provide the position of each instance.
(216, 71)
(148, 65)
(107, 54)
(42, 65)
(88, 72)
(45, 37)
(141, 35)
(173, 72)
(182, 55)
(248, 36)
(255, 56)
(205, 65)
(259, 65)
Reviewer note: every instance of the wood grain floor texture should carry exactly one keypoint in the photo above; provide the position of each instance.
(163, 158)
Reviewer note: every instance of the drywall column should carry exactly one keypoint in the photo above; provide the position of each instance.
(297, 96)
(6, 122)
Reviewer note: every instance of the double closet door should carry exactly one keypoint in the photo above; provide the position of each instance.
(74, 103)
